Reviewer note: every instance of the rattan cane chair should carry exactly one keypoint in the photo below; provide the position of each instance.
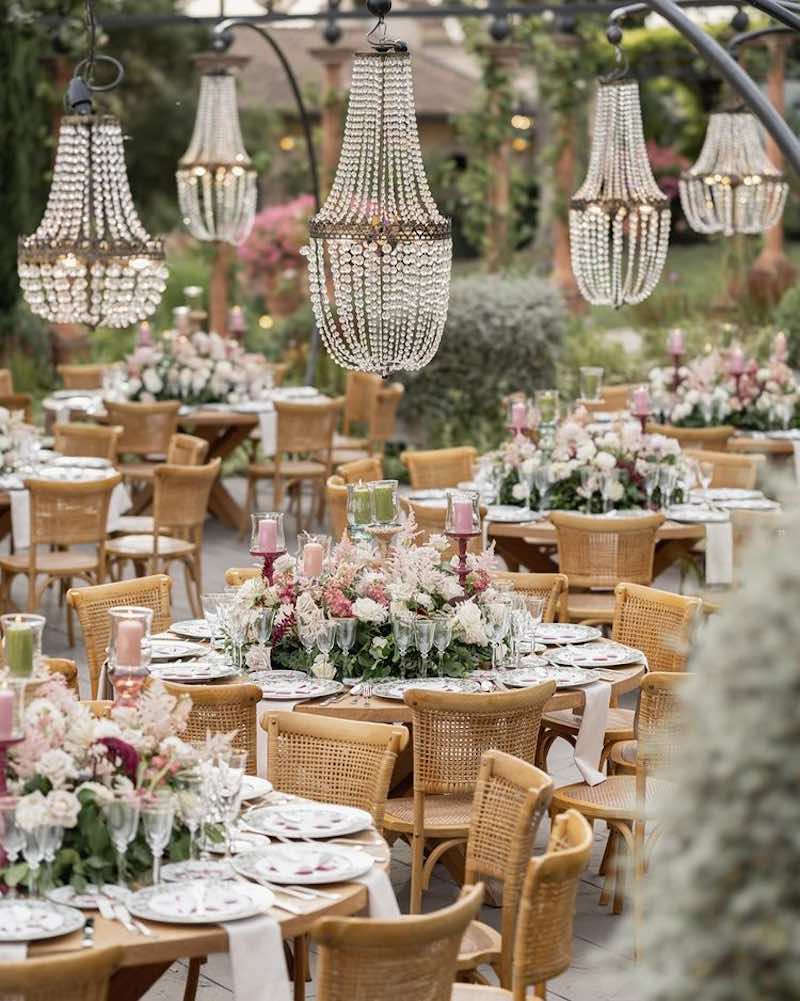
(180, 501)
(451, 733)
(439, 467)
(91, 605)
(6, 382)
(598, 553)
(81, 376)
(360, 390)
(713, 438)
(333, 760)
(336, 499)
(364, 470)
(381, 426)
(543, 940)
(62, 515)
(405, 959)
(223, 709)
(730, 469)
(68, 670)
(18, 402)
(553, 587)
(511, 798)
(430, 519)
(623, 800)
(236, 576)
(615, 398)
(147, 430)
(303, 454)
(96, 440)
(99, 708)
(82, 977)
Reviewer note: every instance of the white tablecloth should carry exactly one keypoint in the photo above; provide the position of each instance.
(719, 552)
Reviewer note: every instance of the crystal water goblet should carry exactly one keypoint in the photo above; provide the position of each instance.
(122, 820)
(541, 480)
(666, 483)
(211, 613)
(158, 816)
(228, 773)
(423, 636)
(307, 635)
(652, 477)
(442, 636)
(534, 608)
(498, 619)
(345, 635)
(608, 485)
(403, 633)
(12, 837)
(190, 799)
(327, 637)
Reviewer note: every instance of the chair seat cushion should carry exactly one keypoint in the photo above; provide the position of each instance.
(619, 725)
(478, 992)
(135, 524)
(623, 753)
(445, 816)
(53, 563)
(143, 545)
(138, 470)
(615, 798)
(291, 469)
(480, 944)
(590, 605)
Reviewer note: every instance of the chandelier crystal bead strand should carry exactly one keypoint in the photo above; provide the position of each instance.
(379, 251)
(733, 187)
(619, 218)
(217, 185)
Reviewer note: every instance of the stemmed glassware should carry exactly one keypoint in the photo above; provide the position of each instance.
(12, 838)
(541, 480)
(423, 634)
(211, 613)
(666, 482)
(498, 621)
(158, 815)
(345, 635)
(704, 471)
(587, 483)
(527, 477)
(308, 639)
(226, 793)
(39, 844)
(652, 477)
(535, 611)
(403, 633)
(326, 637)
(122, 821)
(190, 799)
(608, 483)
(442, 635)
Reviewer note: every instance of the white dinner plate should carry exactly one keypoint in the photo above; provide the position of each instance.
(198, 902)
(792, 434)
(424, 496)
(754, 504)
(286, 689)
(257, 677)
(308, 820)
(163, 649)
(87, 900)
(207, 869)
(240, 842)
(596, 655)
(396, 689)
(253, 407)
(718, 494)
(192, 629)
(81, 462)
(254, 787)
(304, 864)
(564, 677)
(695, 514)
(32, 920)
(566, 632)
(510, 513)
(193, 671)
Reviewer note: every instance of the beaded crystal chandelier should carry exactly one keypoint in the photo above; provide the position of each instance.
(734, 187)
(91, 260)
(619, 218)
(379, 251)
(217, 185)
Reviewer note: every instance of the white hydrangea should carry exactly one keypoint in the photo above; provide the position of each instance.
(368, 610)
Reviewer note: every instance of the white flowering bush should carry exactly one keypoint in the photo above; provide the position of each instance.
(765, 398)
(196, 368)
(577, 460)
(412, 581)
(70, 764)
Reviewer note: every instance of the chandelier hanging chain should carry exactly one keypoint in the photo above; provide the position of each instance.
(620, 69)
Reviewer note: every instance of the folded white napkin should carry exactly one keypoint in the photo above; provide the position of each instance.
(796, 447)
(382, 901)
(589, 745)
(268, 425)
(13, 952)
(257, 960)
(719, 552)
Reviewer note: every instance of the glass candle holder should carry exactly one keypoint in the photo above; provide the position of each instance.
(590, 382)
(267, 534)
(12, 710)
(359, 505)
(547, 405)
(312, 552)
(181, 319)
(463, 512)
(22, 643)
(129, 651)
(519, 416)
(384, 502)
(193, 295)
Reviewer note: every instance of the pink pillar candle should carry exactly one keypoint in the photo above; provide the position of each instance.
(130, 633)
(780, 348)
(518, 415)
(268, 535)
(736, 364)
(462, 516)
(641, 401)
(312, 559)
(675, 343)
(6, 714)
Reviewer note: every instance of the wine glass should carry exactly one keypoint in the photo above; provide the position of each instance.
(423, 634)
(211, 613)
(38, 844)
(541, 480)
(12, 838)
(608, 482)
(122, 820)
(651, 476)
(535, 610)
(158, 815)
(345, 635)
(587, 486)
(666, 482)
(190, 798)
(705, 474)
(498, 620)
(403, 632)
(528, 479)
(228, 773)
(327, 637)
(307, 634)
(442, 635)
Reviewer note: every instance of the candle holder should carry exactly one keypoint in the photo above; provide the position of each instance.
(12, 722)
(129, 651)
(590, 383)
(462, 523)
(548, 407)
(22, 643)
(383, 536)
(359, 511)
(383, 504)
(267, 540)
(643, 418)
(519, 419)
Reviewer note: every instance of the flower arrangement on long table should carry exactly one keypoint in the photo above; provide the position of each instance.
(411, 581)
(574, 463)
(71, 765)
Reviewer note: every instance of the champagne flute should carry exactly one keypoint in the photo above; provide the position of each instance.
(666, 483)
(541, 480)
(308, 638)
(12, 837)
(327, 637)
(403, 632)
(36, 846)
(535, 610)
(190, 799)
(652, 476)
(228, 775)
(609, 481)
(346, 635)
(158, 815)
(442, 635)
(423, 634)
(498, 620)
(122, 820)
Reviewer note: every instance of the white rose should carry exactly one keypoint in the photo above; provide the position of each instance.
(519, 491)
(470, 620)
(450, 588)
(528, 466)
(57, 766)
(586, 452)
(616, 491)
(101, 794)
(323, 668)
(152, 381)
(367, 610)
(31, 811)
(604, 460)
(63, 808)
(421, 598)
(609, 440)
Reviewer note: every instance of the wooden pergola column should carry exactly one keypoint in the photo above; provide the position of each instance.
(333, 59)
(497, 247)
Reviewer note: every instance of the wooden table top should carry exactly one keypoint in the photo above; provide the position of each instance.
(750, 443)
(544, 533)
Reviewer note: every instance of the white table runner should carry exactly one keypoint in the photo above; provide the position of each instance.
(591, 734)
(255, 946)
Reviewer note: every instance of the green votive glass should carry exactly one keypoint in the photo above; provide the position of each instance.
(384, 502)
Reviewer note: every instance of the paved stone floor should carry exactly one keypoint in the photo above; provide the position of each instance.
(601, 956)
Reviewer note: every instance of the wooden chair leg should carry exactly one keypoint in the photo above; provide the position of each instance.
(193, 978)
(249, 504)
(70, 623)
(417, 865)
(300, 965)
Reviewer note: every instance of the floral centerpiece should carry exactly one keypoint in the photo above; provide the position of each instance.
(71, 764)
(15, 438)
(412, 581)
(708, 393)
(575, 462)
(196, 368)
